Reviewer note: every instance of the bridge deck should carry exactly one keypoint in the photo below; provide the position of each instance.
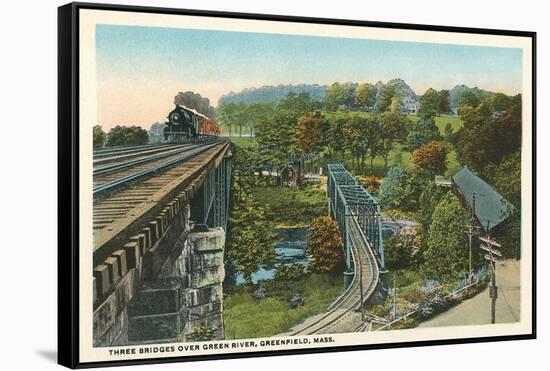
(120, 213)
(343, 314)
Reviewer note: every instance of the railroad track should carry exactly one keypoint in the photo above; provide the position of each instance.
(101, 153)
(130, 154)
(350, 301)
(120, 174)
(138, 187)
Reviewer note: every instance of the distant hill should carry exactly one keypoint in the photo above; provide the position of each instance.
(455, 93)
(317, 92)
(273, 93)
(402, 88)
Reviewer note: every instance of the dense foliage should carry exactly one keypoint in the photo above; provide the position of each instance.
(251, 241)
(446, 256)
(291, 205)
(488, 137)
(99, 137)
(400, 249)
(431, 158)
(126, 136)
(401, 189)
(422, 132)
(325, 245)
(310, 133)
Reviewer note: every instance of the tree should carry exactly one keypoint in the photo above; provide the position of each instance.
(422, 132)
(372, 131)
(499, 102)
(228, 116)
(468, 99)
(399, 250)
(275, 136)
(384, 98)
(246, 162)
(444, 102)
(359, 136)
(299, 103)
(310, 133)
(99, 137)
(431, 158)
(251, 245)
(365, 95)
(486, 140)
(325, 245)
(429, 103)
(394, 130)
(446, 254)
(392, 189)
(448, 133)
(335, 139)
(395, 105)
(127, 136)
(240, 117)
(429, 198)
(401, 189)
(506, 178)
(255, 112)
(339, 94)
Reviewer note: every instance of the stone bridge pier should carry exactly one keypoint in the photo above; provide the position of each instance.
(171, 274)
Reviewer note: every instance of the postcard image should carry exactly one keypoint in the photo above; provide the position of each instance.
(250, 185)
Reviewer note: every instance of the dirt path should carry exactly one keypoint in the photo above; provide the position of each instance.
(477, 310)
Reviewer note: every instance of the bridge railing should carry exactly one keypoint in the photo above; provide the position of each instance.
(348, 198)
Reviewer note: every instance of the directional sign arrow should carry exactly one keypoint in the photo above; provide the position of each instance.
(490, 258)
(489, 241)
(489, 250)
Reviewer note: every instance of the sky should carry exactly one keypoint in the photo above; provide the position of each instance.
(141, 69)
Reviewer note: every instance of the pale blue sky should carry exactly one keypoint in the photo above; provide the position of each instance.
(216, 62)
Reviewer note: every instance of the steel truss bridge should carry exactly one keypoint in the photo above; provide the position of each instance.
(360, 224)
(350, 203)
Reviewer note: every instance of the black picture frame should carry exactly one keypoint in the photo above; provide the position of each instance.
(68, 180)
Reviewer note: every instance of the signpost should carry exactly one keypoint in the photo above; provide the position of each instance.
(491, 246)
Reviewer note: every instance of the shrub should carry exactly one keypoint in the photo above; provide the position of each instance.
(325, 245)
(408, 322)
(260, 292)
(380, 310)
(414, 297)
(202, 332)
(296, 301)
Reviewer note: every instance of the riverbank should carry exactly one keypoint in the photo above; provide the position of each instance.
(248, 317)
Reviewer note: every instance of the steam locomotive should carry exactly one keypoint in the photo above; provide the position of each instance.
(186, 123)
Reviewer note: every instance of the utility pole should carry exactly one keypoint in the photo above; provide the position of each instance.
(361, 289)
(490, 246)
(394, 311)
(471, 230)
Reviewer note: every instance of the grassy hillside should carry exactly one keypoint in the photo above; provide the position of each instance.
(400, 156)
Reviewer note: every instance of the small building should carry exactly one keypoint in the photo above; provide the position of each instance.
(491, 209)
(288, 176)
(410, 105)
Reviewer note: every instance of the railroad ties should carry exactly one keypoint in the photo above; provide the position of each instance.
(344, 315)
